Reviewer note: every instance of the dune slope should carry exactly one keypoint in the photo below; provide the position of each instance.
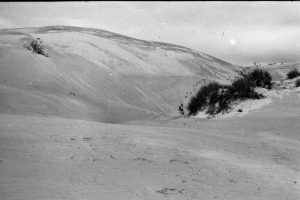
(98, 75)
(95, 76)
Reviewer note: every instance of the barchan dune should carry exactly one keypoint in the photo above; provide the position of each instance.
(98, 119)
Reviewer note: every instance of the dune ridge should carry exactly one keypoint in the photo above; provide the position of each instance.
(99, 75)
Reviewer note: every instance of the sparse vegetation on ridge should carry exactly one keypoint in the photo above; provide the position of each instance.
(293, 74)
(216, 98)
(36, 47)
(297, 82)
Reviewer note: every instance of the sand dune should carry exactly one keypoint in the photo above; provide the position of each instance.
(112, 77)
(55, 144)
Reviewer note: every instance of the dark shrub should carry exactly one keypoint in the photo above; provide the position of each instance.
(219, 102)
(204, 97)
(216, 98)
(243, 88)
(293, 74)
(297, 83)
(37, 47)
(260, 78)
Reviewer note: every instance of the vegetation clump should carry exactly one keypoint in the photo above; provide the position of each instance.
(36, 46)
(297, 82)
(180, 109)
(260, 78)
(216, 98)
(293, 74)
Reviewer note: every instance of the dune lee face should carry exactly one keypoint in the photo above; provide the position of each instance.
(99, 75)
(55, 142)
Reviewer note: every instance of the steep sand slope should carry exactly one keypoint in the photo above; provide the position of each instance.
(98, 75)
(251, 157)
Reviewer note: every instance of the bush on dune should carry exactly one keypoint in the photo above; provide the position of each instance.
(37, 47)
(260, 78)
(297, 83)
(293, 74)
(206, 96)
(215, 98)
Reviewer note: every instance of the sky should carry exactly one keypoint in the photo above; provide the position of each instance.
(237, 32)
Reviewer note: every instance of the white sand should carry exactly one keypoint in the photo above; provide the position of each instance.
(46, 156)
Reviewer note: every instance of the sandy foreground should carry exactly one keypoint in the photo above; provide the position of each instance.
(250, 157)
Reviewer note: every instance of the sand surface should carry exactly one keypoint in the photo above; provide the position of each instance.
(98, 119)
(251, 157)
(98, 75)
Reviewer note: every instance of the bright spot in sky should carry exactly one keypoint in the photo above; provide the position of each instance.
(232, 41)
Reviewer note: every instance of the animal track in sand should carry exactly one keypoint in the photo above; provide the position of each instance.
(166, 191)
(174, 160)
(142, 159)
